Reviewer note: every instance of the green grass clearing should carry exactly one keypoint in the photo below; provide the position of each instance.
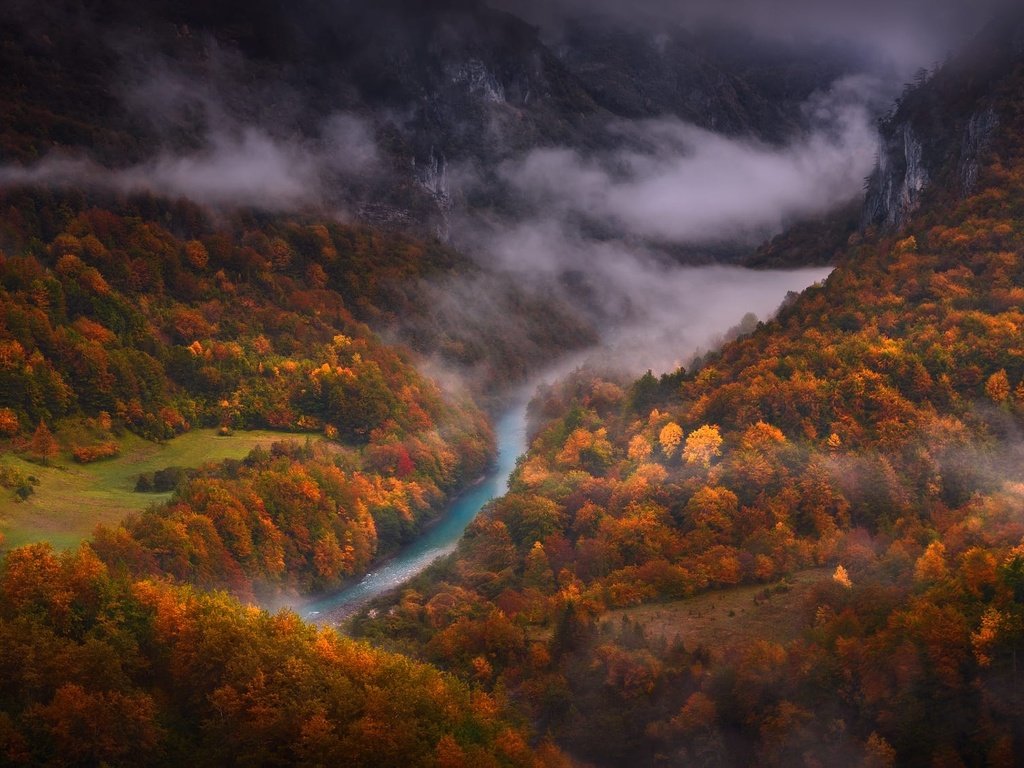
(71, 499)
(729, 617)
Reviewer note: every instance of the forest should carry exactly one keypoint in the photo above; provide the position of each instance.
(101, 670)
(803, 547)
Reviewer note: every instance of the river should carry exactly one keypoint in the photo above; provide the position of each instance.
(677, 321)
(439, 539)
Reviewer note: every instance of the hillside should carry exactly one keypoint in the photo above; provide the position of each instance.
(128, 319)
(243, 360)
(870, 430)
(101, 671)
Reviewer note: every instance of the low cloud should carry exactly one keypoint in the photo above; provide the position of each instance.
(668, 185)
(608, 228)
(245, 167)
(683, 312)
(681, 184)
(222, 139)
(650, 311)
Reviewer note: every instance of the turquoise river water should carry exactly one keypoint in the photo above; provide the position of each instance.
(440, 539)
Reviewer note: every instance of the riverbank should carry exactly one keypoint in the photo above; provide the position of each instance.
(442, 535)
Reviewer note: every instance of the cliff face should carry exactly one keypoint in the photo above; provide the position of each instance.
(908, 162)
(900, 177)
(978, 136)
(940, 131)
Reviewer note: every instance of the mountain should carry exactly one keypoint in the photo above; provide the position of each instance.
(804, 549)
(723, 80)
(439, 85)
(400, 115)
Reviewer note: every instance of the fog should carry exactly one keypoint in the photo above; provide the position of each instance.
(242, 166)
(672, 184)
(223, 142)
(601, 231)
(689, 185)
(690, 310)
(649, 311)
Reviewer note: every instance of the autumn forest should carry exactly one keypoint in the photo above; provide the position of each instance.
(278, 280)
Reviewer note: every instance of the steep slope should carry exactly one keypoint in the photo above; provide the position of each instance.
(144, 317)
(99, 671)
(723, 80)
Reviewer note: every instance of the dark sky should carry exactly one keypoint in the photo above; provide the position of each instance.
(914, 33)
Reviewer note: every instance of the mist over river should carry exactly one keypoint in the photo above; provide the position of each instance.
(688, 313)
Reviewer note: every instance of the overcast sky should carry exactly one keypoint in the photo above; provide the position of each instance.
(913, 33)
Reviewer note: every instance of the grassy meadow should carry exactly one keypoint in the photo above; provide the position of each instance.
(72, 498)
(726, 618)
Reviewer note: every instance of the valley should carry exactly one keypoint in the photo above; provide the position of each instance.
(502, 384)
(442, 537)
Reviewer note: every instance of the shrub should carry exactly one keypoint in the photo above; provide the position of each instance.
(88, 453)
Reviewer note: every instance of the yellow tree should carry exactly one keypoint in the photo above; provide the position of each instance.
(670, 437)
(703, 445)
(998, 387)
(9, 422)
(714, 508)
(931, 566)
(328, 556)
(639, 448)
(538, 573)
(842, 577)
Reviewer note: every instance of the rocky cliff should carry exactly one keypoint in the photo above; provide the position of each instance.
(909, 158)
(936, 138)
